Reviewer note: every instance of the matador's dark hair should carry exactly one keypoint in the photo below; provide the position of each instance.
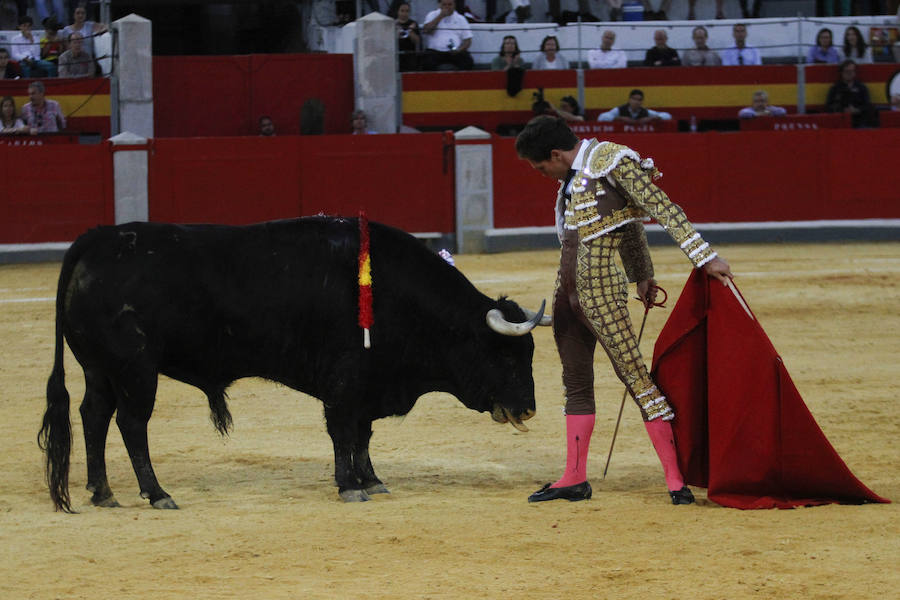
(542, 135)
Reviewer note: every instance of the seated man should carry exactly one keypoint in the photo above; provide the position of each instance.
(9, 69)
(740, 54)
(266, 126)
(701, 55)
(760, 107)
(26, 50)
(447, 38)
(606, 57)
(42, 115)
(661, 55)
(633, 112)
(76, 62)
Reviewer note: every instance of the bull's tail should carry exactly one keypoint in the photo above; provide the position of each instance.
(55, 436)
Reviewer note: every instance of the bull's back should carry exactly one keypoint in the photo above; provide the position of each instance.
(222, 302)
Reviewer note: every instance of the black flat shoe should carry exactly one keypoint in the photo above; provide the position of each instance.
(682, 496)
(572, 493)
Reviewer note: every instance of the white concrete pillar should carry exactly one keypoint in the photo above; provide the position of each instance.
(130, 177)
(134, 75)
(474, 189)
(375, 72)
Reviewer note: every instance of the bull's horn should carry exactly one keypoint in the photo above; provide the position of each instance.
(545, 321)
(498, 323)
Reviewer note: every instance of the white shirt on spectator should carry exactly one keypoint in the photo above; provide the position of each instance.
(542, 64)
(449, 33)
(611, 115)
(732, 56)
(610, 59)
(22, 48)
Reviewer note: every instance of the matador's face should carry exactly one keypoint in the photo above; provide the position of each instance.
(554, 167)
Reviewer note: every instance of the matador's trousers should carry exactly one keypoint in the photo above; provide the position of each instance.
(590, 305)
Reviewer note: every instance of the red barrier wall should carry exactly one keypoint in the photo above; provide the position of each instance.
(226, 95)
(402, 180)
(737, 176)
(52, 193)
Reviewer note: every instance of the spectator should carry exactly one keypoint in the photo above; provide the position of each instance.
(633, 112)
(75, 62)
(447, 38)
(740, 53)
(550, 57)
(661, 55)
(753, 13)
(855, 47)
(701, 55)
(408, 39)
(42, 115)
(656, 15)
(824, 51)
(569, 110)
(266, 126)
(52, 44)
(26, 50)
(606, 57)
(615, 9)
(509, 56)
(720, 14)
(848, 95)
(10, 68)
(760, 107)
(59, 9)
(88, 29)
(9, 120)
(359, 123)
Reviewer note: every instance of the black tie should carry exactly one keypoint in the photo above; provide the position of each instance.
(740, 58)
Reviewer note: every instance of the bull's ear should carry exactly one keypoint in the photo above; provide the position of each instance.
(498, 322)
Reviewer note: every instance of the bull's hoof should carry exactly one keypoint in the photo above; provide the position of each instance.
(165, 503)
(354, 495)
(377, 488)
(108, 502)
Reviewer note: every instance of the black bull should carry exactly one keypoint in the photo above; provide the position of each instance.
(209, 304)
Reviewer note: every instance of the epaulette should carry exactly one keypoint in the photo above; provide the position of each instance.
(605, 156)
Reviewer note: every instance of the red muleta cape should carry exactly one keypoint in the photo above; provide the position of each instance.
(741, 428)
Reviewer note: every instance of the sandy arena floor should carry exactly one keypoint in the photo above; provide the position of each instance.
(260, 517)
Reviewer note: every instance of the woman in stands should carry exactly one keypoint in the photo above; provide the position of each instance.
(509, 55)
(824, 51)
(10, 123)
(550, 56)
(569, 110)
(855, 47)
(88, 29)
(408, 38)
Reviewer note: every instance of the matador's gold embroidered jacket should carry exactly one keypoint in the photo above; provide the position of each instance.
(614, 189)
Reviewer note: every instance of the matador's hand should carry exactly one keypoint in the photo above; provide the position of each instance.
(646, 291)
(719, 269)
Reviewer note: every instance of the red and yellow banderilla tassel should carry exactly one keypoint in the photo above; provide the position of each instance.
(365, 280)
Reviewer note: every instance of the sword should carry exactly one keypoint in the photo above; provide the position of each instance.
(647, 307)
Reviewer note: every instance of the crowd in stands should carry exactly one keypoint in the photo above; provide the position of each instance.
(444, 42)
(61, 51)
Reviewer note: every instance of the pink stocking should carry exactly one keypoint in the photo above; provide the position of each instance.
(578, 439)
(664, 442)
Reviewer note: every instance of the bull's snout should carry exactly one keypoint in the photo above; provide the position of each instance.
(501, 414)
